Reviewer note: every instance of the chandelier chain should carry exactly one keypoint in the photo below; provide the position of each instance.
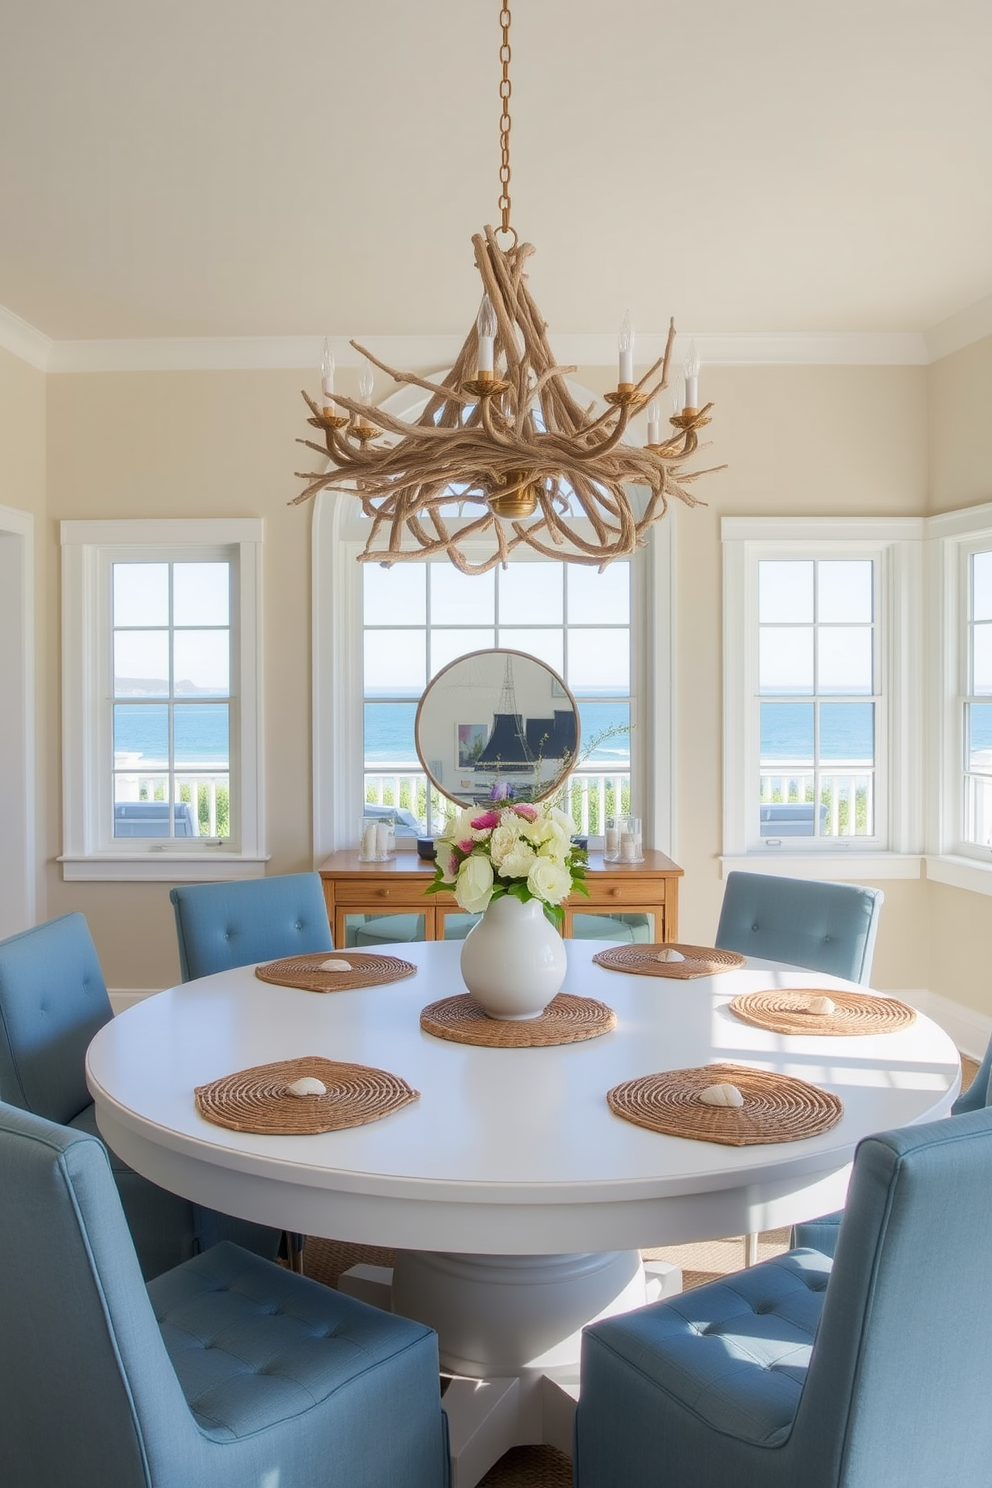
(505, 123)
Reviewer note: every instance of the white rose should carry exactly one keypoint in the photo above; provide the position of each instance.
(549, 881)
(542, 830)
(474, 885)
(504, 839)
(563, 820)
(518, 862)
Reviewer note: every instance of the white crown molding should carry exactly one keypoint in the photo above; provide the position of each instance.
(593, 349)
(23, 341)
(959, 331)
(582, 349)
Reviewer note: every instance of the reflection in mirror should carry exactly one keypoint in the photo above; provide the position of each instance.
(497, 724)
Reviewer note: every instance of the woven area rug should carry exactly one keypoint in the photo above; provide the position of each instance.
(544, 1467)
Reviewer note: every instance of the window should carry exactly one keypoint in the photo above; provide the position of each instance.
(418, 617)
(976, 702)
(960, 835)
(817, 697)
(161, 727)
(821, 691)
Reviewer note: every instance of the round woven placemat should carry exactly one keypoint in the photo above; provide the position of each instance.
(777, 1108)
(643, 960)
(784, 1011)
(365, 970)
(565, 1020)
(255, 1100)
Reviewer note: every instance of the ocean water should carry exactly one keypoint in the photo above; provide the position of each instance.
(389, 734)
(202, 732)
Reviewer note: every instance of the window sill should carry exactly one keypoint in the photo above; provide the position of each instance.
(160, 867)
(849, 864)
(961, 873)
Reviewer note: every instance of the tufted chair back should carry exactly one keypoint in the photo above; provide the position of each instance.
(827, 927)
(221, 925)
(225, 1372)
(868, 1372)
(52, 1001)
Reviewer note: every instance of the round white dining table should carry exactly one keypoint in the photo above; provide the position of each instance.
(516, 1198)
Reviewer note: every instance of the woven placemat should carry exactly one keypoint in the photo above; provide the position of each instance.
(785, 1010)
(565, 1020)
(642, 960)
(365, 969)
(255, 1100)
(777, 1108)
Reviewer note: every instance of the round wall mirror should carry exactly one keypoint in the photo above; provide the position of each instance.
(497, 724)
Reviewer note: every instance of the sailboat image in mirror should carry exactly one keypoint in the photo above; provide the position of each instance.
(525, 749)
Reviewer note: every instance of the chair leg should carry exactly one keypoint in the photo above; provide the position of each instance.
(751, 1249)
(294, 1251)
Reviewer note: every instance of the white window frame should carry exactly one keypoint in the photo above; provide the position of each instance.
(338, 536)
(88, 551)
(896, 546)
(954, 537)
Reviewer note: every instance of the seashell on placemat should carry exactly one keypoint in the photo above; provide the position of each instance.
(651, 960)
(565, 1020)
(310, 974)
(258, 1100)
(793, 1010)
(777, 1108)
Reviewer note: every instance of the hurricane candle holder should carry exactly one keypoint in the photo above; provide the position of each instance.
(375, 839)
(629, 834)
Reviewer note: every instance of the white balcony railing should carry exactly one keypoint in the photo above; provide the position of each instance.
(840, 801)
(589, 798)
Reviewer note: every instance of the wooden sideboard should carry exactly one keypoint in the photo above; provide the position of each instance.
(397, 887)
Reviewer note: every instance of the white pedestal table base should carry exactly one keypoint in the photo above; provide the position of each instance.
(509, 1330)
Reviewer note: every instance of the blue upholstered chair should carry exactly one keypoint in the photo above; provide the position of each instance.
(220, 925)
(870, 1371)
(226, 1372)
(828, 927)
(223, 925)
(821, 1234)
(52, 1001)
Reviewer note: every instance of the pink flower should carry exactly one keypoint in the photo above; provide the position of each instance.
(487, 820)
(528, 812)
(452, 866)
(466, 846)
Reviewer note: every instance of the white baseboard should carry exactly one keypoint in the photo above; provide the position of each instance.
(125, 997)
(970, 1030)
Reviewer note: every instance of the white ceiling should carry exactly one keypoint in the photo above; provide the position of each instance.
(215, 168)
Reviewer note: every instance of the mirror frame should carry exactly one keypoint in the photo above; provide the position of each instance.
(567, 693)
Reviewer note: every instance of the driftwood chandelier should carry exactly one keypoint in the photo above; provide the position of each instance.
(502, 438)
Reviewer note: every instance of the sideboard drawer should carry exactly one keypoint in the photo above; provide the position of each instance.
(372, 892)
(621, 895)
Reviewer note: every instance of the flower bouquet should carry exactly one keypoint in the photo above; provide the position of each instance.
(521, 849)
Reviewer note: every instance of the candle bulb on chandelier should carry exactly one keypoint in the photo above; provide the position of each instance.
(327, 377)
(691, 370)
(366, 382)
(626, 349)
(678, 396)
(654, 422)
(486, 327)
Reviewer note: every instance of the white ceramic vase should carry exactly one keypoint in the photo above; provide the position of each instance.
(513, 961)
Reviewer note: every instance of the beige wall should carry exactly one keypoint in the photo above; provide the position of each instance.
(819, 441)
(22, 486)
(191, 445)
(960, 476)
